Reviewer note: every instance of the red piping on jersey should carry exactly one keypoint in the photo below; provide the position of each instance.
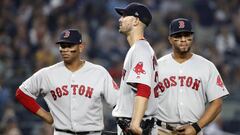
(143, 90)
(28, 102)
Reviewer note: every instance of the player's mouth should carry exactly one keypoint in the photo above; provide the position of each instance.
(120, 24)
(183, 45)
(65, 56)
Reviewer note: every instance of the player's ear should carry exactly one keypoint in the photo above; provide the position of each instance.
(81, 47)
(170, 40)
(136, 21)
(192, 37)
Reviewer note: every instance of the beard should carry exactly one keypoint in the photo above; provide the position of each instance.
(182, 50)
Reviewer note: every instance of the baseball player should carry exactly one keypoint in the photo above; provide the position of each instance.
(137, 102)
(187, 82)
(73, 90)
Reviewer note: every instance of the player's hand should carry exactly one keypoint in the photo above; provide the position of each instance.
(49, 118)
(135, 129)
(46, 116)
(186, 130)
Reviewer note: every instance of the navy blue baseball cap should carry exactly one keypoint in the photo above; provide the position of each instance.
(137, 10)
(180, 25)
(70, 36)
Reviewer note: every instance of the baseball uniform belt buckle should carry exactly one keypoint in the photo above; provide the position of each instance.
(165, 125)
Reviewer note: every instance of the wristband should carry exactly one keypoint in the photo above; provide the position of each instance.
(196, 127)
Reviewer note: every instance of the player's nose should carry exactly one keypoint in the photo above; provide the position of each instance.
(183, 38)
(120, 19)
(64, 49)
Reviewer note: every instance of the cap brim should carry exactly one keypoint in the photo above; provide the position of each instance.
(120, 11)
(181, 31)
(65, 42)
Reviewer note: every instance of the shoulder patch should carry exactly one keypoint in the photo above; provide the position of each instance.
(138, 69)
(115, 86)
(219, 81)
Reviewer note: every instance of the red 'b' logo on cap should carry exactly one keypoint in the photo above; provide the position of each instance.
(181, 24)
(66, 34)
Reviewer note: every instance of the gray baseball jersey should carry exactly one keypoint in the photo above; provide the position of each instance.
(74, 98)
(186, 88)
(140, 66)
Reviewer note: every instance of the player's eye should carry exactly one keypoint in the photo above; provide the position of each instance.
(123, 16)
(186, 35)
(66, 45)
(177, 36)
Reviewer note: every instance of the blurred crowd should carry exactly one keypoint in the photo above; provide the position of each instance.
(28, 31)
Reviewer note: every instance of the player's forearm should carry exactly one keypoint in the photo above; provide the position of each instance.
(140, 106)
(46, 116)
(211, 113)
(31, 105)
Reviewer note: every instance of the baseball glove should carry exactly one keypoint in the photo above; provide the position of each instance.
(146, 126)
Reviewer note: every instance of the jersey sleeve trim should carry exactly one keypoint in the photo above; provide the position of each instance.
(143, 90)
(28, 102)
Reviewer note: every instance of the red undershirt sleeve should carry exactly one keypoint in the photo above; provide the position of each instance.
(28, 102)
(143, 90)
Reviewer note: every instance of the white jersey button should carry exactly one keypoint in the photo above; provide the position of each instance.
(73, 78)
(181, 90)
(181, 103)
(180, 71)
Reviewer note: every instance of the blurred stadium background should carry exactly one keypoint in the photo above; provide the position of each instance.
(28, 31)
